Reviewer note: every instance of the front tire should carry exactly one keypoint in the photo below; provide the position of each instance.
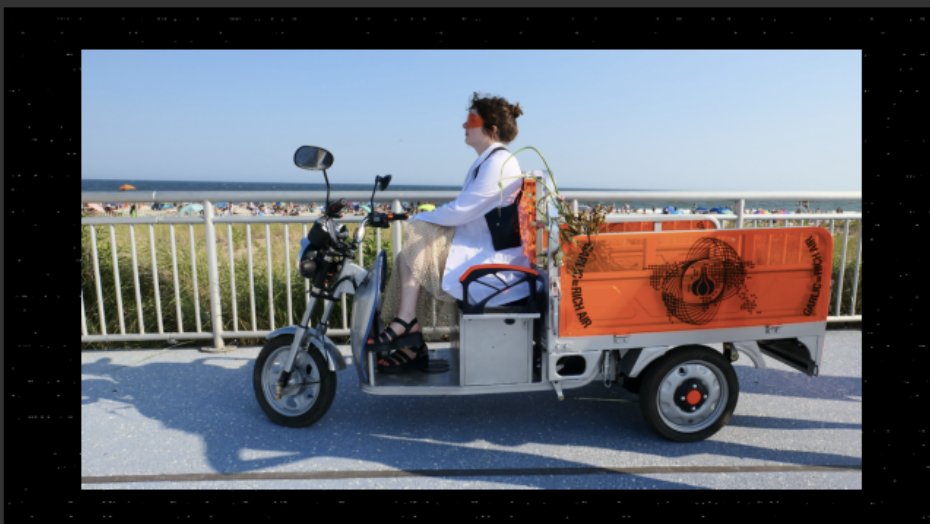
(689, 394)
(317, 384)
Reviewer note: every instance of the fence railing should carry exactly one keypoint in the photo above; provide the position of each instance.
(170, 269)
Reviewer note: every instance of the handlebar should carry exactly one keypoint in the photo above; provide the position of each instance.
(335, 208)
(382, 219)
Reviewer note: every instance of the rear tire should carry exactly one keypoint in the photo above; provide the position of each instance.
(670, 407)
(304, 406)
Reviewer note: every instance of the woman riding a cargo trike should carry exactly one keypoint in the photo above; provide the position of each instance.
(639, 304)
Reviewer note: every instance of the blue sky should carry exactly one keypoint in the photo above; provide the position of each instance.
(693, 120)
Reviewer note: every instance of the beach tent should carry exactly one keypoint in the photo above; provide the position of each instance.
(727, 212)
(366, 208)
(702, 208)
(427, 207)
(190, 209)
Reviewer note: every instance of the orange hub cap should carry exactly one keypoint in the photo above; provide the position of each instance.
(693, 397)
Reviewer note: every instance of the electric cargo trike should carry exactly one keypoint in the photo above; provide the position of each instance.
(637, 305)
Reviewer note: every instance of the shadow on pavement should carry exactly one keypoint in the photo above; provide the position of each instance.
(212, 398)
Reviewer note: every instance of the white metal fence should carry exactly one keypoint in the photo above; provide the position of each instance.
(210, 223)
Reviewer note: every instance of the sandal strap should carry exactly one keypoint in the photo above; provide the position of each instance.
(388, 332)
(392, 334)
(407, 326)
(397, 358)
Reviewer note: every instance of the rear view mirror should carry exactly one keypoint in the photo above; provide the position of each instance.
(383, 182)
(313, 158)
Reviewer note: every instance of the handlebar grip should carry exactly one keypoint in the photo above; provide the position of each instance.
(398, 216)
(337, 206)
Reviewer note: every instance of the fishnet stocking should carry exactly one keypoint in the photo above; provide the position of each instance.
(425, 249)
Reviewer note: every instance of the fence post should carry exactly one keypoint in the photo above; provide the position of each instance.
(740, 204)
(216, 313)
(855, 283)
(839, 287)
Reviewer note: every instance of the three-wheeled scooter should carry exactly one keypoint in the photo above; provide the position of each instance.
(637, 305)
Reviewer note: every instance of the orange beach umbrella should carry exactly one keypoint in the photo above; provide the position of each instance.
(125, 187)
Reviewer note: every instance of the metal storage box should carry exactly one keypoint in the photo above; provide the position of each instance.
(496, 348)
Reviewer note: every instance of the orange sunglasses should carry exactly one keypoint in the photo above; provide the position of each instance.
(474, 121)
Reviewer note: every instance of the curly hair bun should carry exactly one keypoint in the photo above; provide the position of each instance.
(497, 112)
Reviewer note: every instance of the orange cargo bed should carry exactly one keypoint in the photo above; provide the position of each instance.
(681, 281)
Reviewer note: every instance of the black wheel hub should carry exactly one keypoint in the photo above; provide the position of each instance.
(690, 395)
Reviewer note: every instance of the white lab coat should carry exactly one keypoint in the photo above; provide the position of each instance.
(472, 244)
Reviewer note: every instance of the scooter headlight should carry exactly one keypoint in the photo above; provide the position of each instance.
(307, 263)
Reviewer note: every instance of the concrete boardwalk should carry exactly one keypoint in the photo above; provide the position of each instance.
(183, 419)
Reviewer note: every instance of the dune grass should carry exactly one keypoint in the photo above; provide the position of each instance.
(194, 293)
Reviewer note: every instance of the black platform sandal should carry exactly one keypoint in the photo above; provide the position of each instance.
(398, 362)
(389, 340)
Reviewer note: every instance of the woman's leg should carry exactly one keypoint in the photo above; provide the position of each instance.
(407, 311)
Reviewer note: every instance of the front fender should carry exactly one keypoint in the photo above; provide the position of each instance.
(330, 352)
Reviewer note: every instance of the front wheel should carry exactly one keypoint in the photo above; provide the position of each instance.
(689, 394)
(309, 392)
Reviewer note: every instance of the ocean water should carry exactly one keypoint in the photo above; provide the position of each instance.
(184, 185)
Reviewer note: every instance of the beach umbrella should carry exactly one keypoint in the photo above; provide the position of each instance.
(758, 212)
(190, 209)
(221, 205)
(702, 208)
(366, 208)
(727, 212)
(427, 207)
(125, 187)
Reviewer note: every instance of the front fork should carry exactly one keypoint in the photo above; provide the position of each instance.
(299, 335)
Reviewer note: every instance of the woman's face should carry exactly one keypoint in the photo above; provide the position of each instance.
(475, 136)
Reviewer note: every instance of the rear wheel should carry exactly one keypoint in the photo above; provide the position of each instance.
(310, 390)
(689, 394)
